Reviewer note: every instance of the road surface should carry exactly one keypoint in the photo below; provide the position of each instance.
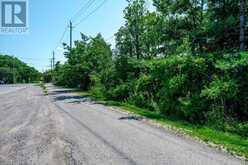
(4, 89)
(63, 129)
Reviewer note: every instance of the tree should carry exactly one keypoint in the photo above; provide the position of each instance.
(15, 71)
(209, 26)
(134, 15)
(151, 35)
(89, 56)
(124, 45)
(177, 61)
(242, 24)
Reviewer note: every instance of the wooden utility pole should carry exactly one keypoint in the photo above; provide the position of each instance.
(53, 66)
(70, 35)
(53, 60)
(51, 63)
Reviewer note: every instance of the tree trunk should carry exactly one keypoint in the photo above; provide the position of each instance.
(242, 24)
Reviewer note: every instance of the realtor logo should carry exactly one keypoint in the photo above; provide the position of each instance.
(13, 16)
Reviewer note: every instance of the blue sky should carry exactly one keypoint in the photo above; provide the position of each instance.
(47, 21)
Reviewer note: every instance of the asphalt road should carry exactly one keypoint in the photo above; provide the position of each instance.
(4, 89)
(63, 129)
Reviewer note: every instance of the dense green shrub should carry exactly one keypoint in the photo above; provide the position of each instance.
(242, 129)
(96, 87)
(210, 89)
(217, 94)
(180, 79)
(198, 89)
(12, 70)
(143, 95)
(120, 92)
(88, 57)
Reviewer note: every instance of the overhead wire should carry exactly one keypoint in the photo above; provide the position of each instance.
(62, 37)
(77, 14)
(91, 13)
(83, 8)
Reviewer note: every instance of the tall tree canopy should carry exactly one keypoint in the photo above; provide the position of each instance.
(185, 58)
(12, 70)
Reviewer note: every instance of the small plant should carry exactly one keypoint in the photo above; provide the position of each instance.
(43, 86)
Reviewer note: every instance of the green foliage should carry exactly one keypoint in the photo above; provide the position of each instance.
(96, 89)
(44, 88)
(194, 88)
(234, 143)
(143, 93)
(220, 90)
(120, 92)
(47, 77)
(180, 79)
(13, 70)
(180, 60)
(242, 129)
(6, 74)
(88, 57)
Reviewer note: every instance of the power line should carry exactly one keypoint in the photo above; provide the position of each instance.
(83, 8)
(91, 13)
(30, 59)
(62, 37)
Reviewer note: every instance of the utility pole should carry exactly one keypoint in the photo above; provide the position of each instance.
(53, 60)
(51, 63)
(13, 70)
(71, 35)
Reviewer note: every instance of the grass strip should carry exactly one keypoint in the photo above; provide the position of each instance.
(230, 142)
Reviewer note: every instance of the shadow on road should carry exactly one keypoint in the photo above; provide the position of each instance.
(138, 118)
(67, 95)
(71, 99)
(66, 91)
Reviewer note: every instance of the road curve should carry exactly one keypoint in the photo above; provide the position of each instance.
(64, 129)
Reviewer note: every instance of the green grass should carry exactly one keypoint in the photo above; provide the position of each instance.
(231, 142)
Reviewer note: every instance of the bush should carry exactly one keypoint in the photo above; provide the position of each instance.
(243, 129)
(144, 90)
(220, 90)
(197, 89)
(181, 78)
(204, 90)
(238, 128)
(96, 88)
(120, 92)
